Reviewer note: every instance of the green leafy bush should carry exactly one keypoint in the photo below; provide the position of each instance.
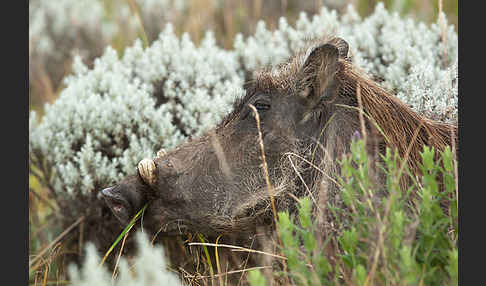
(394, 236)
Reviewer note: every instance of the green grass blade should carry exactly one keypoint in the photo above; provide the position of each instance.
(127, 229)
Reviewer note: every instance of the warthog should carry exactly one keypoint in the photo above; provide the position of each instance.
(309, 111)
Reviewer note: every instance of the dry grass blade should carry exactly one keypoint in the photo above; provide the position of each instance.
(314, 166)
(379, 246)
(265, 167)
(46, 271)
(246, 262)
(57, 282)
(238, 248)
(409, 148)
(81, 238)
(267, 179)
(303, 182)
(229, 272)
(133, 6)
(43, 83)
(443, 30)
(361, 112)
(218, 267)
(113, 276)
(54, 242)
(454, 161)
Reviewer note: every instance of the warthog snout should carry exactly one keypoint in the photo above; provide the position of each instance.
(126, 199)
(155, 181)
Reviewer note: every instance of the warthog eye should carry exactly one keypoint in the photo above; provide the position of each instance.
(262, 106)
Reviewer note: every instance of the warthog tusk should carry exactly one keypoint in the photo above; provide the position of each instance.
(146, 169)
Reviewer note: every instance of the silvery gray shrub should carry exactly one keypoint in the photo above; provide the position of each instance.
(60, 29)
(126, 108)
(149, 266)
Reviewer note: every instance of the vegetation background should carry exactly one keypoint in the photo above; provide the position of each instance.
(225, 18)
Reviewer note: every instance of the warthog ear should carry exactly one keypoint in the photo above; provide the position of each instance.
(342, 47)
(318, 81)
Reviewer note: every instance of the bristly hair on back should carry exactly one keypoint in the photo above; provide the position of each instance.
(404, 129)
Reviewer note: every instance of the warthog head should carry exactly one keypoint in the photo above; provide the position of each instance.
(308, 110)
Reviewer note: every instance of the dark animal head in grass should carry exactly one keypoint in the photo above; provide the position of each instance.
(308, 110)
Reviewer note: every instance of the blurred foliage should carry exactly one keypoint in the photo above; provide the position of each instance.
(426, 11)
(227, 18)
